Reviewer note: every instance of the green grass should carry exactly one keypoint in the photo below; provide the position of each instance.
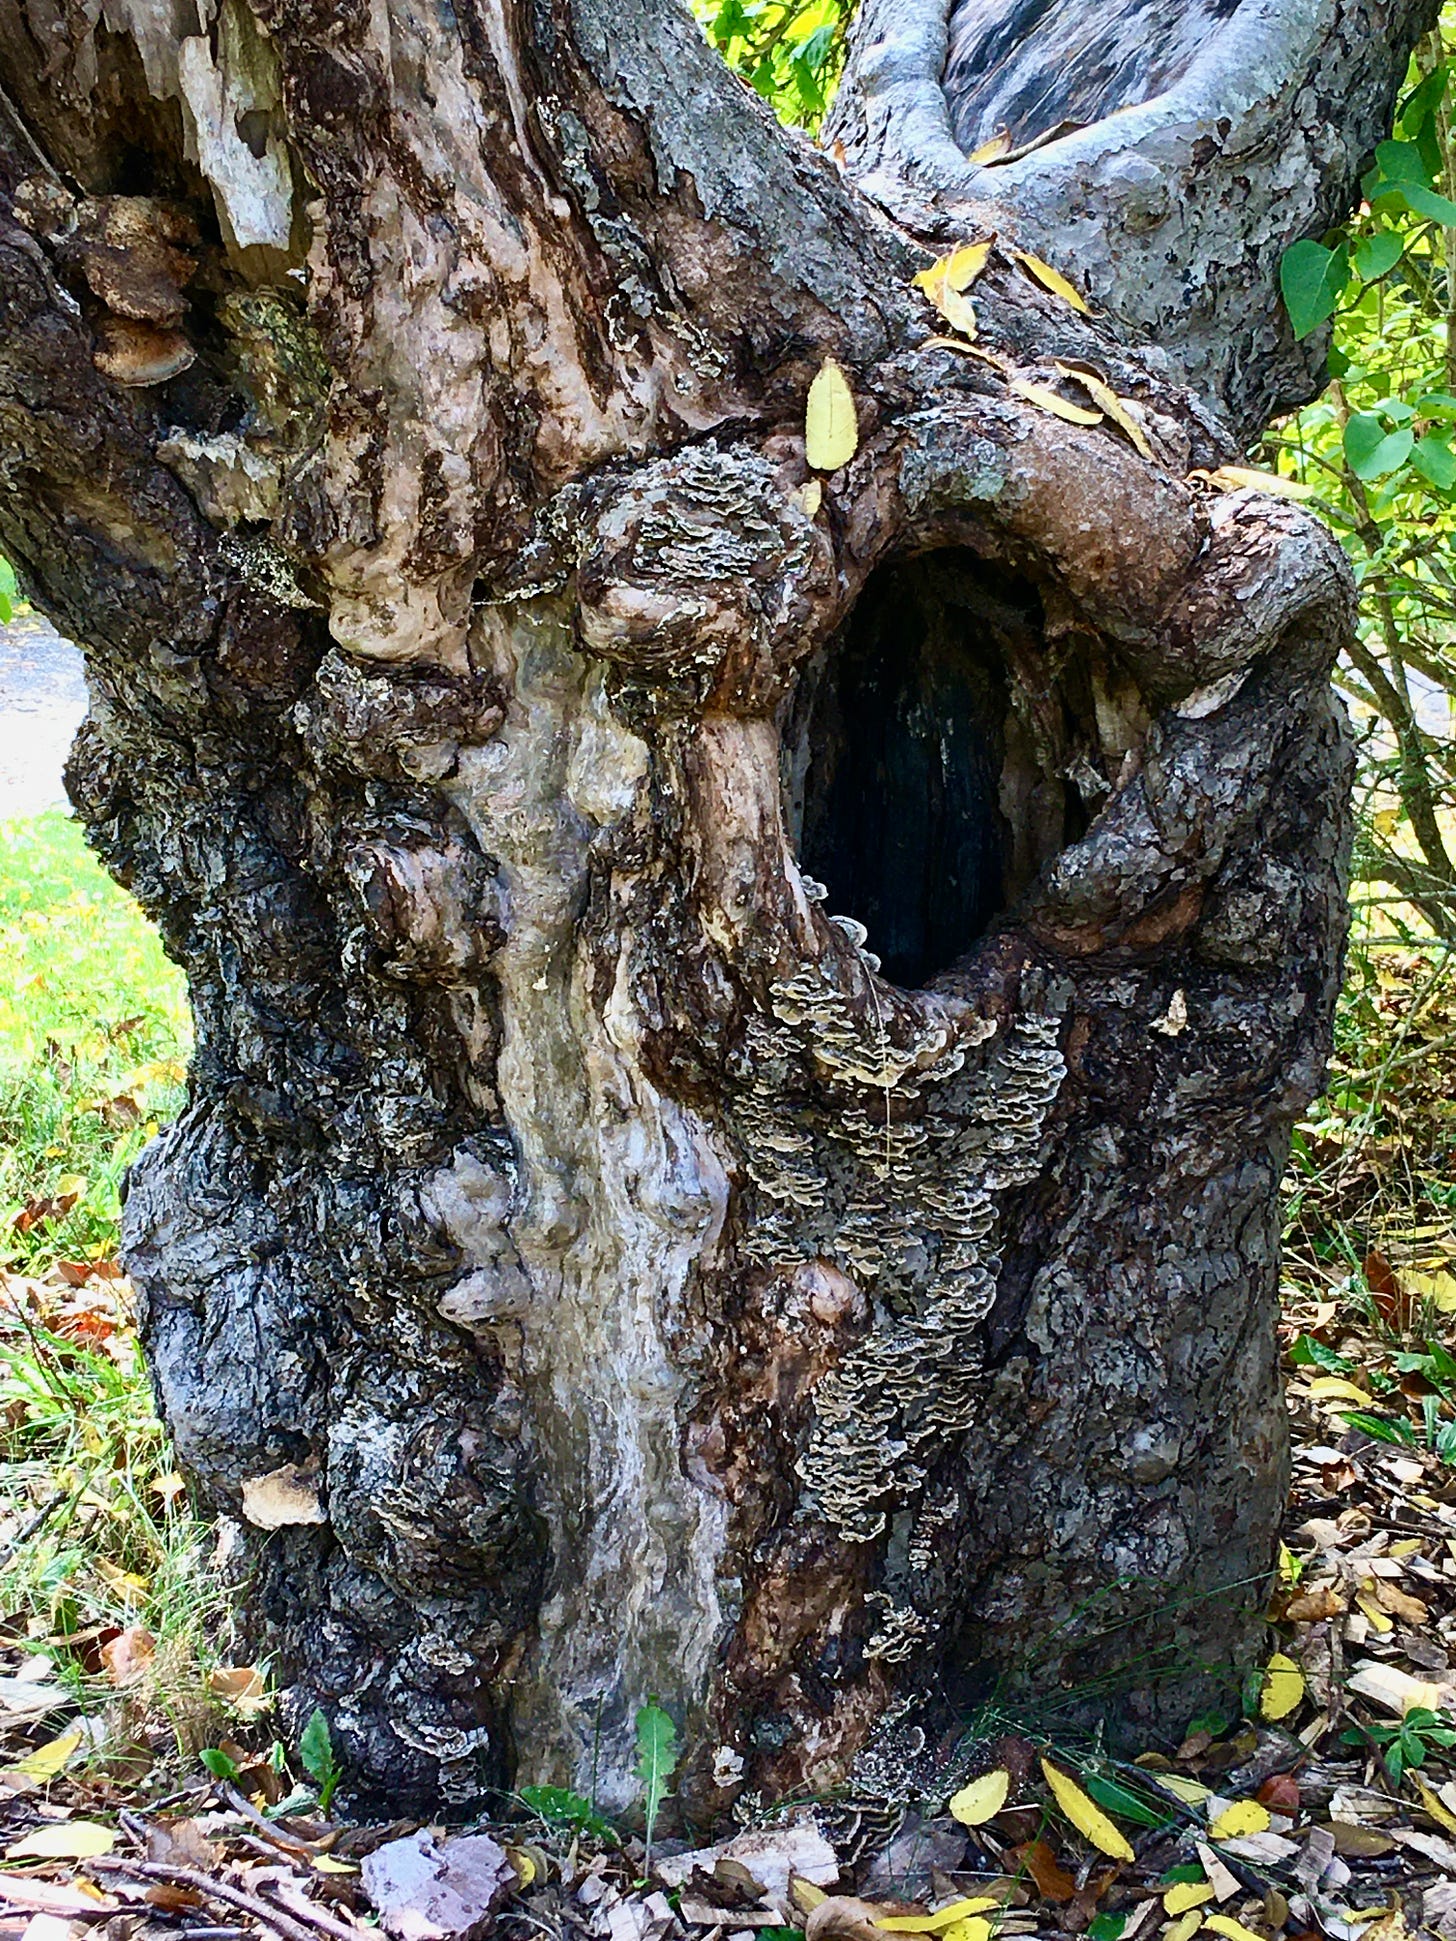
(94, 1037)
(96, 1531)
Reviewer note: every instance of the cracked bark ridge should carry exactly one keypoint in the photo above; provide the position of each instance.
(599, 1258)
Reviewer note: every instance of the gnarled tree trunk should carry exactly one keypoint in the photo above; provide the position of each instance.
(747, 1022)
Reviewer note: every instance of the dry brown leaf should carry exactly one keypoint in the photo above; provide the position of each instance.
(129, 1654)
(845, 1918)
(286, 1495)
(1116, 408)
(1318, 1602)
(1059, 407)
(1051, 1878)
(1400, 1603)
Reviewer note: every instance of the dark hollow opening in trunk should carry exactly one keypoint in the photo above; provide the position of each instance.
(902, 749)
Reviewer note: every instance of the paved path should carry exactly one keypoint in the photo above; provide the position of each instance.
(42, 701)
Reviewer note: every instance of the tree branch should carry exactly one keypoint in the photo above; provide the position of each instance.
(1168, 164)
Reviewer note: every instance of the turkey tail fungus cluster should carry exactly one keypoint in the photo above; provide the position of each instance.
(748, 1016)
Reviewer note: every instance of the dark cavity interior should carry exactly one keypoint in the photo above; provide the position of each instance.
(914, 785)
(1034, 68)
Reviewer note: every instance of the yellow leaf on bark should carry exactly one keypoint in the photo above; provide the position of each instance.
(1038, 394)
(1244, 1816)
(1104, 395)
(1184, 1894)
(1243, 478)
(1049, 278)
(993, 150)
(973, 1805)
(71, 1840)
(1088, 1818)
(1283, 1687)
(831, 428)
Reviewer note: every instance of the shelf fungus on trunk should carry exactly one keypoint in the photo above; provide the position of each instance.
(748, 1015)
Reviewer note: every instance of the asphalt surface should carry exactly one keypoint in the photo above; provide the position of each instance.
(42, 703)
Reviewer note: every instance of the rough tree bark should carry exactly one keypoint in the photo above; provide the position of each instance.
(583, 1269)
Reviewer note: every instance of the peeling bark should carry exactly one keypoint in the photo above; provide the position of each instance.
(610, 1276)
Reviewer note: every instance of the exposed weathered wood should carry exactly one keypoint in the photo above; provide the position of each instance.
(627, 1286)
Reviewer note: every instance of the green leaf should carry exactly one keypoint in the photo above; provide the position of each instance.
(1106, 1927)
(559, 1806)
(1373, 451)
(1117, 1799)
(316, 1747)
(1422, 102)
(1381, 1427)
(1436, 404)
(1309, 1353)
(317, 1757)
(1401, 162)
(656, 1757)
(1312, 279)
(1436, 462)
(1378, 255)
(218, 1763)
(9, 592)
(1426, 202)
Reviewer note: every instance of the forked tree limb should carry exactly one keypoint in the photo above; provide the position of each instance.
(1167, 156)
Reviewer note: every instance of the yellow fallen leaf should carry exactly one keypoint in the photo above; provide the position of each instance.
(1441, 1814)
(977, 1929)
(831, 429)
(958, 311)
(942, 1921)
(523, 1863)
(1049, 278)
(805, 1894)
(1233, 1930)
(1088, 1818)
(966, 350)
(1244, 1816)
(973, 1805)
(958, 271)
(1324, 1386)
(1104, 395)
(1038, 394)
(1192, 1792)
(71, 1840)
(47, 1760)
(1283, 1687)
(1184, 1894)
(325, 1863)
(1370, 1605)
(1243, 478)
(1185, 1928)
(1438, 1288)
(993, 150)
